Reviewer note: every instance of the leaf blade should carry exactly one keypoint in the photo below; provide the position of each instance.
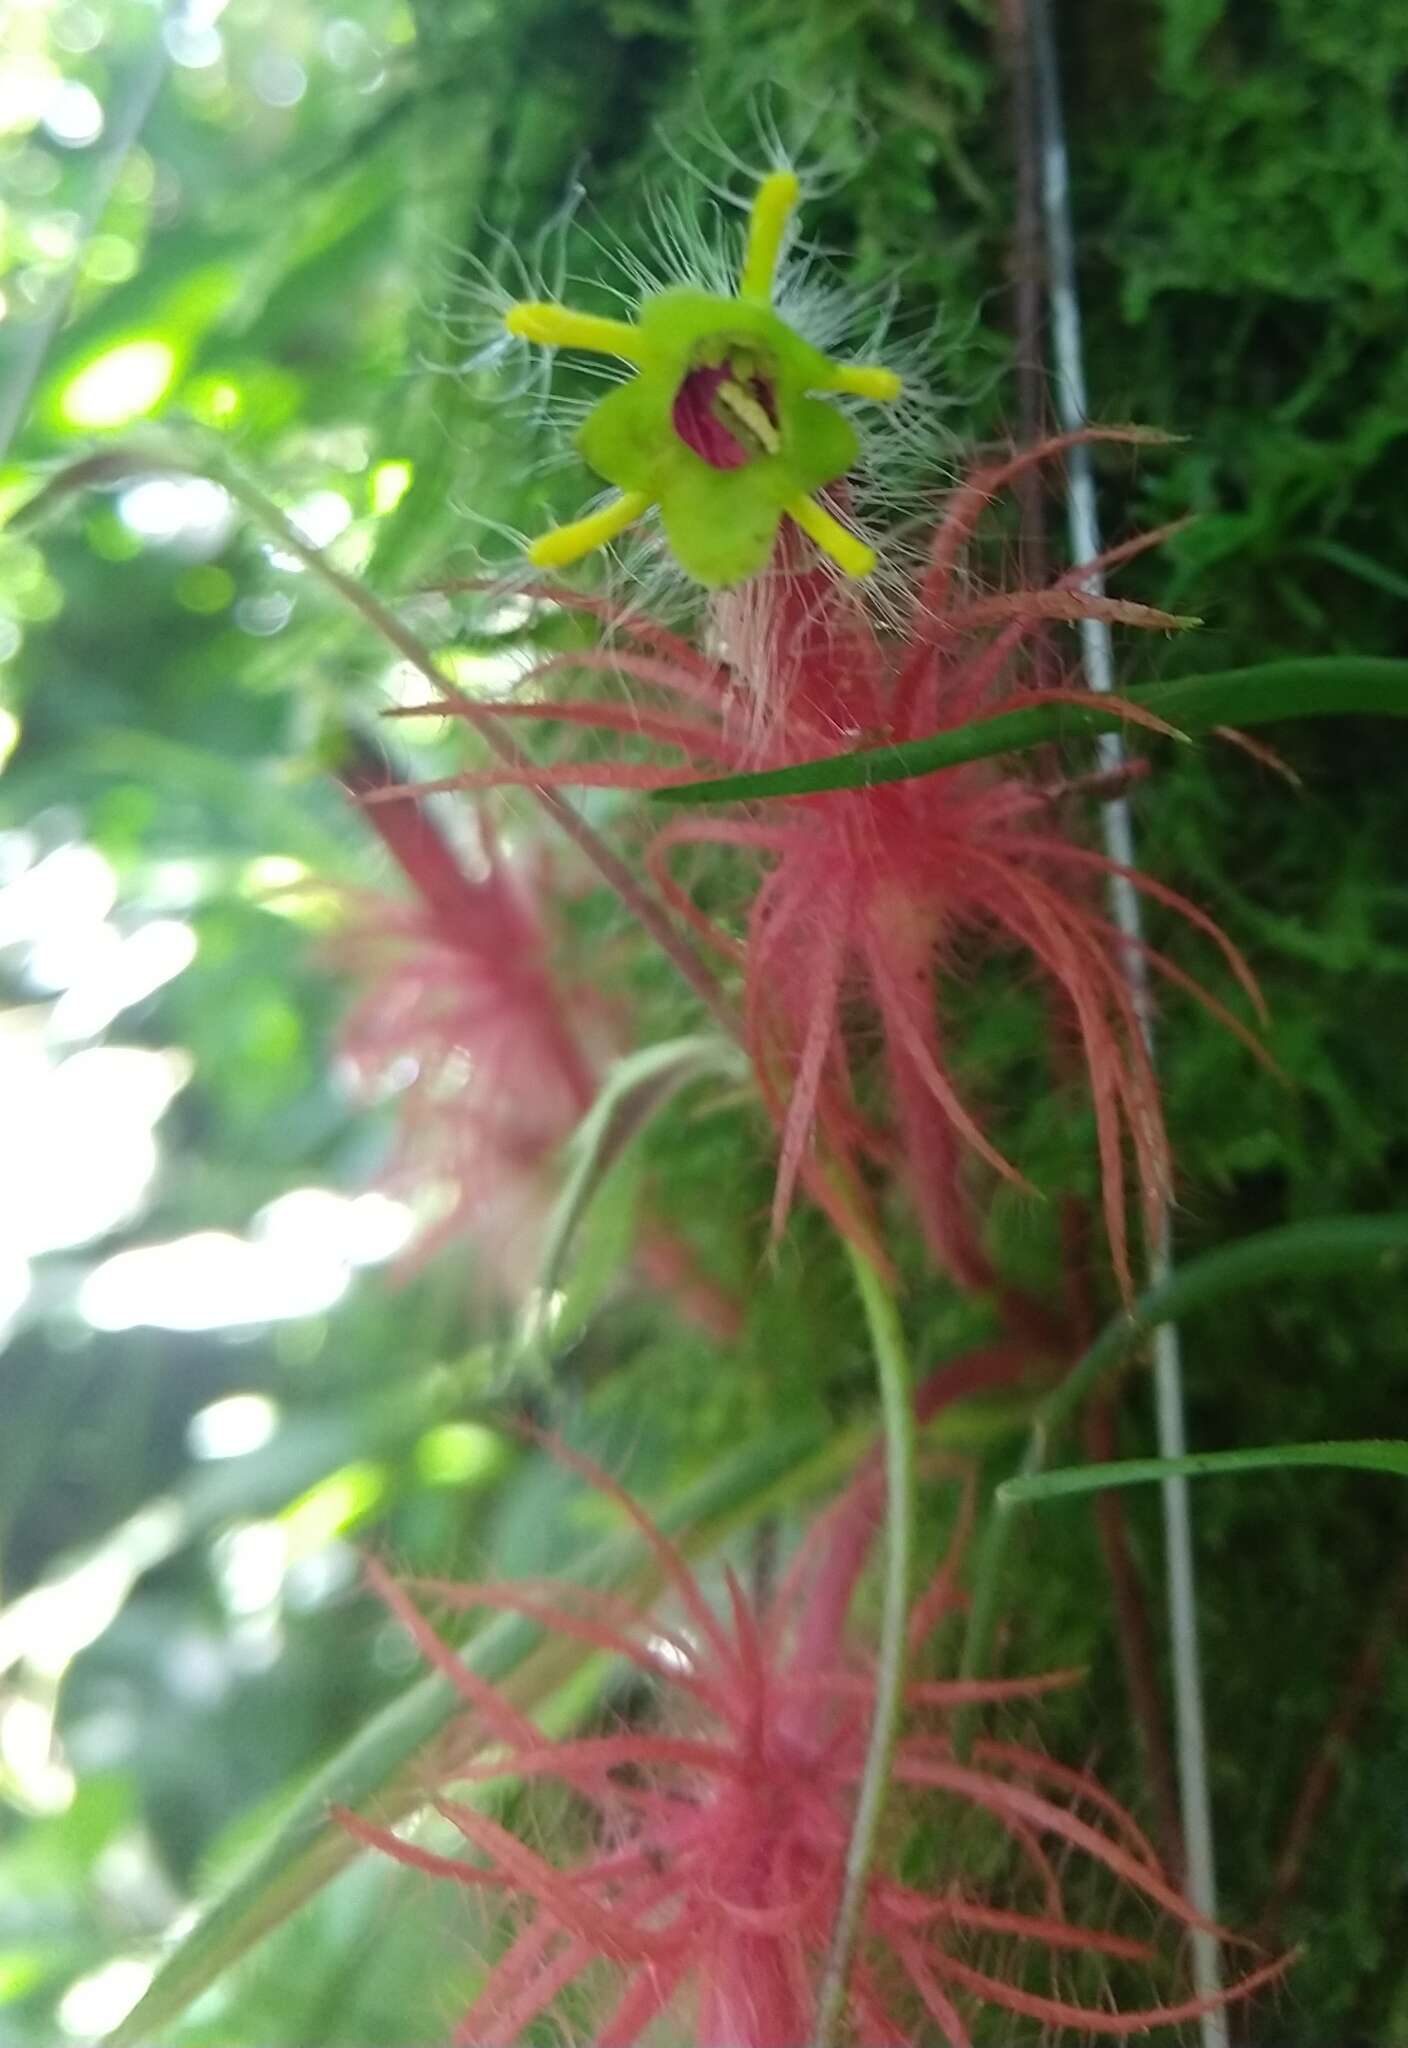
(1362, 1454)
(1313, 686)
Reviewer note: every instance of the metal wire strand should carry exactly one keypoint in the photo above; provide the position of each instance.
(1084, 529)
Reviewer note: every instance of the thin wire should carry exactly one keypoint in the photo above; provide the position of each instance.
(1084, 527)
(36, 336)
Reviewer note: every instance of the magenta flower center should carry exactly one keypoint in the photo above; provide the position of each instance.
(727, 413)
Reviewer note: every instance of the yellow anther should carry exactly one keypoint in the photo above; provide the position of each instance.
(562, 545)
(850, 555)
(560, 327)
(745, 411)
(772, 208)
(865, 380)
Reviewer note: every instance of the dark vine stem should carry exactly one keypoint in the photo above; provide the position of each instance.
(1357, 1694)
(609, 866)
(112, 465)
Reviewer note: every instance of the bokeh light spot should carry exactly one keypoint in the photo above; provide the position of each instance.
(390, 483)
(120, 385)
(73, 116)
(205, 590)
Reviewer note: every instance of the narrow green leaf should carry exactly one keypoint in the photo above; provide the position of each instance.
(1356, 564)
(253, 800)
(1370, 1454)
(1273, 690)
(1340, 1244)
(636, 1089)
(1297, 1251)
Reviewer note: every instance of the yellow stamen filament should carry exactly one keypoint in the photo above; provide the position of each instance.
(560, 327)
(772, 208)
(562, 545)
(865, 380)
(850, 555)
(745, 411)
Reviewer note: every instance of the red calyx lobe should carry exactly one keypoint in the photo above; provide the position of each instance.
(699, 421)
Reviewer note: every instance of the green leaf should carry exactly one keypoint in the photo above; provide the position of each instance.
(1315, 687)
(637, 1088)
(1297, 1251)
(1370, 1454)
(1342, 1244)
(257, 803)
(1356, 564)
(65, 1606)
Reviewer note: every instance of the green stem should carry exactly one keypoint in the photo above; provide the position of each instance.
(892, 1369)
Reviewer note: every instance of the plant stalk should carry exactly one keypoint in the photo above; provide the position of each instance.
(897, 1413)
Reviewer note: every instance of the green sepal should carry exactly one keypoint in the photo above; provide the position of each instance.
(621, 438)
(825, 447)
(718, 533)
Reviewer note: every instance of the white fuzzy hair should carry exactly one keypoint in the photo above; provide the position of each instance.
(693, 231)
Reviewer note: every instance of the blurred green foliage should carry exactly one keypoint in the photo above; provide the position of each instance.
(287, 266)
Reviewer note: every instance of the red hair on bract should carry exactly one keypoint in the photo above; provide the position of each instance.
(716, 1836)
(495, 1057)
(869, 891)
(460, 1007)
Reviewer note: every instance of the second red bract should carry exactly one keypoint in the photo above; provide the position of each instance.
(712, 1835)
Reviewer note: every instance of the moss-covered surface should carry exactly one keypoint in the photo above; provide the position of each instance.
(1242, 219)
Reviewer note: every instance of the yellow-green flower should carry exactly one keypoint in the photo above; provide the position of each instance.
(722, 427)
